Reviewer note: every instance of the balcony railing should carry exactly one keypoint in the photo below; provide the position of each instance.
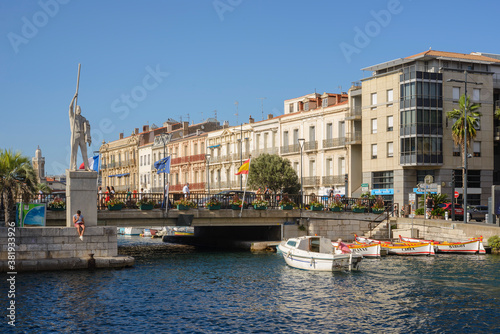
(287, 149)
(354, 138)
(310, 145)
(312, 180)
(190, 158)
(333, 179)
(354, 112)
(333, 142)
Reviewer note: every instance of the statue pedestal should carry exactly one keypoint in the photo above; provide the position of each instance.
(81, 194)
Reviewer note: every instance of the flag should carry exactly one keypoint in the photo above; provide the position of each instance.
(163, 165)
(93, 163)
(244, 168)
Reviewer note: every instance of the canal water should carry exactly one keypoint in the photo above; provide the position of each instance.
(181, 289)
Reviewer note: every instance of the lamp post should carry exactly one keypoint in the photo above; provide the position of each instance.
(301, 145)
(465, 141)
(207, 157)
(241, 155)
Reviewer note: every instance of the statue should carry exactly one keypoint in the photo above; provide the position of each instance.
(80, 135)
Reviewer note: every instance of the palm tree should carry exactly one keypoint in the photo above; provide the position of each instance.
(17, 178)
(458, 129)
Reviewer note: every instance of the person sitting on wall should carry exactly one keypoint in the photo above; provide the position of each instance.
(79, 224)
(342, 247)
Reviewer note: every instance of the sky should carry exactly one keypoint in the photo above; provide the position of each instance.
(143, 62)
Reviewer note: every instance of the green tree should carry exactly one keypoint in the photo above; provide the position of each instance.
(458, 129)
(17, 178)
(274, 172)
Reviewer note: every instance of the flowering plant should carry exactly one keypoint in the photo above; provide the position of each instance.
(237, 201)
(379, 203)
(185, 202)
(145, 201)
(315, 203)
(213, 201)
(286, 201)
(359, 205)
(57, 203)
(336, 203)
(114, 202)
(260, 202)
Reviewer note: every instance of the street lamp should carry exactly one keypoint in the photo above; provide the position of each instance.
(465, 141)
(301, 145)
(207, 157)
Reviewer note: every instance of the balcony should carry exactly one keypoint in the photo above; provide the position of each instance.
(310, 145)
(354, 138)
(333, 179)
(312, 181)
(334, 142)
(269, 150)
(288, 149)
(354, 113)
(188, 159)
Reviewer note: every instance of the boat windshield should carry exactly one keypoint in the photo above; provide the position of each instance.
(291, 243)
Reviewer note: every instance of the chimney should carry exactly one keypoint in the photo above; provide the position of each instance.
(185, 126)
(121, 135)
(225, 125)
(250, 119)
(339, 98)
(145, 128)
(136, 131)
(269, 116)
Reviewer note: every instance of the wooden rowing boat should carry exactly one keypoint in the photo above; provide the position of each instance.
(472, 246)
(404, 249)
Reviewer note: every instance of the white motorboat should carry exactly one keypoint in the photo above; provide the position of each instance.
(317, 254)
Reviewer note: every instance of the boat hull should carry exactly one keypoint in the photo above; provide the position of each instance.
(410, 249)
(319, 261)
(366, 250)
(467, 247)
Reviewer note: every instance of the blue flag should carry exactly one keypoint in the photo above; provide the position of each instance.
(163, 165)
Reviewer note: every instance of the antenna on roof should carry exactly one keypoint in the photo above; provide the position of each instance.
(262, 105)
(215, 113)
(236, 103)
(340, 89)
(188, 117)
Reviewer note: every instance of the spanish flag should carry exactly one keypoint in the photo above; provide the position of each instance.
(244, 168)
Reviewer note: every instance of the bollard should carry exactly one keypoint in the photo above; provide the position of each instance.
(486, 218)
(468, 217)
(446, 215)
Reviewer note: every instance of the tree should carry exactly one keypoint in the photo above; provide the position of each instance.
(274, 172)
(458, 129)
(17, 178)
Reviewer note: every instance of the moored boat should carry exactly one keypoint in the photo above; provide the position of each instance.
(475, 245)
(366, 249)
(404, 248)
(316, 253)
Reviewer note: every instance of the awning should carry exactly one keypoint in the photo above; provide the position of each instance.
(214, 146)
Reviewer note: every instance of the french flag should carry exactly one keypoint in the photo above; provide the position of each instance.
(93, 163)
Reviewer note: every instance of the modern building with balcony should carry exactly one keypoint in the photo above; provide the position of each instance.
(406, 134)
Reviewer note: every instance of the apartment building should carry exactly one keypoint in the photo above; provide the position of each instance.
(312, 135)
(406, 134)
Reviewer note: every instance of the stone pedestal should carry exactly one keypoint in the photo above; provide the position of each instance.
(81, 194)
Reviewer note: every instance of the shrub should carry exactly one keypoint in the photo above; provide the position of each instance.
(57, 203)
(286, 201)
(379, 203)
(115, 202)
(359, 205)
(213, 201)
(145, 201)
(260, 202)
(494, 242)
(336, 203)
(185, 202)
(420, 211)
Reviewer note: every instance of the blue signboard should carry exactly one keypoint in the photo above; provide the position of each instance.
(382, 191)
(415, 190)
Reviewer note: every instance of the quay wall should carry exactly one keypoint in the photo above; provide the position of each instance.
(443, 230)
(56, 248)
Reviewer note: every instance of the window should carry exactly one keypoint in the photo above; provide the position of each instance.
(329, 131)
(374, 151)
(476, 148)
(312, 133)
(342, 129)
(456, 150)
(296, 166)
(390, 123)
(312, 168)
(290, 108)
(476, 93)
(306, 106)
(141, 160)
(195, 149)
(266, 139)
(285, 138)
(390, 97)
(325, 102)
(374, 125)
(383, 180)
(341, 166)
(456, 93)
(374, 100)
(329, 167)
(390, 150)
(295, 136)
(149, 159)
(257, 142)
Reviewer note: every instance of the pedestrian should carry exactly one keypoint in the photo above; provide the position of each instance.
(101, 198)
(185, 190)
(259, 193)
(108, 194)
(79, 224)
(429, 205)
(112, 192)
(267, 193)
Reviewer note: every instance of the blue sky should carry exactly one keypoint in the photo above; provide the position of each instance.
(146, 61)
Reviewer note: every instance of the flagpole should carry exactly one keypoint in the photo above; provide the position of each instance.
(244, 191)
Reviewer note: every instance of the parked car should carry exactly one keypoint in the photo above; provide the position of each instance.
(478, 213)
(459, 211)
